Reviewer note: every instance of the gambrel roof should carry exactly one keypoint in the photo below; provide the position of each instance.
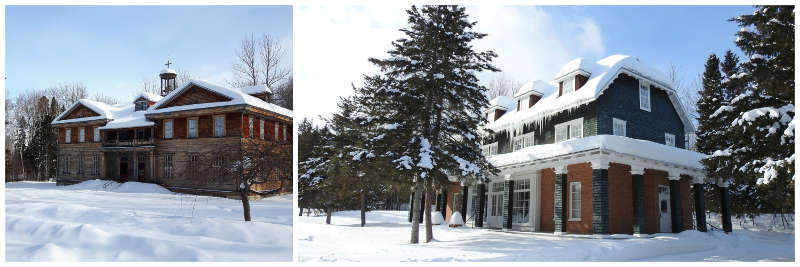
(601, 74)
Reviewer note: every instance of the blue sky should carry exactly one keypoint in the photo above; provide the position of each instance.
(112, 48)
(533, 42)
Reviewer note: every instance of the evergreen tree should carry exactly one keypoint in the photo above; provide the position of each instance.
(711, 99)
(758, 120)
(434, 101)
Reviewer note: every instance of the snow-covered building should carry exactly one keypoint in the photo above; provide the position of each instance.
(185, 139)
(598, 150)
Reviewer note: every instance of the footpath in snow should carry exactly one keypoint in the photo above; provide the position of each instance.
(386, 236)
(107, 221)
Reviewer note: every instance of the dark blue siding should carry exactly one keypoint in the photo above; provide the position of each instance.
(621, 100)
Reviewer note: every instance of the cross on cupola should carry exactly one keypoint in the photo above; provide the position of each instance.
(168, 82)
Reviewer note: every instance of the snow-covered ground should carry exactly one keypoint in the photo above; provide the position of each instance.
(387, 234)
(106, 221)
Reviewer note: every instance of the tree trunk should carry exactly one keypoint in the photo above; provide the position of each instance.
(245, 204)
(363, 209)
(301, 212)
(328, 215)
(415, 216)
(428, 203)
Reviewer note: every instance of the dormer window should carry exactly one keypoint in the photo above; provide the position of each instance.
(142, 105)
(569, 85)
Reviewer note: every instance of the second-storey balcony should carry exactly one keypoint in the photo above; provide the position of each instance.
(128, 137)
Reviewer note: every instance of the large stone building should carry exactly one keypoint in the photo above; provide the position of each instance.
(599, 150)
(187, 139)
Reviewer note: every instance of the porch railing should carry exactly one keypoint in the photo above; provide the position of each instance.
(129, 142)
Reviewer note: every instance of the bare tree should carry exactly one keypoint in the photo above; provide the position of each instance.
(501, 85)
(271, 54)
(105, 99)
(260, 165)
(284, 95)
(246, 67)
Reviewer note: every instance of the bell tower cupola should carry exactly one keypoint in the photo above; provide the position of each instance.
(168, 82)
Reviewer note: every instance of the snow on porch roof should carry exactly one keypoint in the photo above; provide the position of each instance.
(236, 95)
(603, 72)
(634, 147)
(126, 116)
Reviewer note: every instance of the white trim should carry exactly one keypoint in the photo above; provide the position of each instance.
(669, 139)
(569, 126)
(646, 85)
(572, 200)
(623, 125)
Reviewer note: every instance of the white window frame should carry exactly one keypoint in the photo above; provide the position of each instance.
(67, 135)
(644, 95)
(489, 149)
(575, 208)
(520, 188)
(570, 129)
(191, 133)
(619, 127)
(669, 139)
(96, 134)
(168, 130)
(81, 135)
(568, 85)
(221, 129)
(261, 129)
(523, 141)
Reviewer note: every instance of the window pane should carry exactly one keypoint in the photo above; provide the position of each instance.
(168, 129)
(219, 126)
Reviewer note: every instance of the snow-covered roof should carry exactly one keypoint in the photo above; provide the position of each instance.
(125, 116)
(98, 107)
(503, 102)
(168, 70)
(149, 96)
(578, 64)
(255, 89)
(237, 96)
(603, 72)
(537, 87)
(634, 147)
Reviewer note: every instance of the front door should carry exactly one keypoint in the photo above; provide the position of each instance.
(494, 218)
(141, 162)
(664, 209)
(123, 169)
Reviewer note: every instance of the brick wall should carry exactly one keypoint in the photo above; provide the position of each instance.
(620, 199)
(546, 222)
(452, 188)
(652, 179)
(581, 173)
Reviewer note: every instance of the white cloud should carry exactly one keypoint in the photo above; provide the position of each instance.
(333, 43)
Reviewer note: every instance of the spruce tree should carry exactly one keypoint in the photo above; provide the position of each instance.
(758, 158)
(429, 87)
(709, 135)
